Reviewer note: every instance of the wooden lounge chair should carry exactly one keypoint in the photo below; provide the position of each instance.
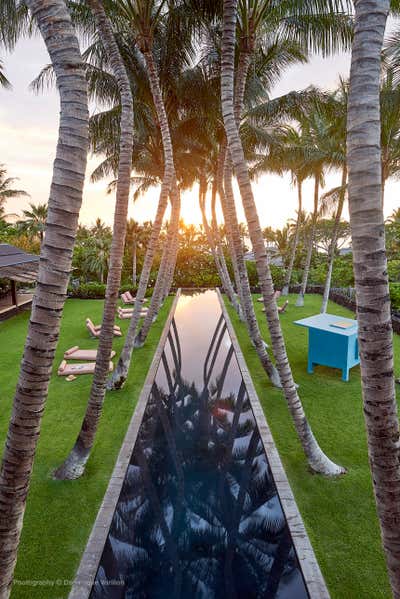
(75, 353)
(277, 295)
(128, 298)
(85, 368)
(94, 330)
(126, 313)
(281, 309)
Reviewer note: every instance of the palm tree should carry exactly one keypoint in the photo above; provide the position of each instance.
(54, 269)
(337, 112)
(4, 82)
(34, 221)
(370, 272)
(286, 153)
(316, 458)
(317, 152)
(100, 230)
(74, 465)
(390, 128)
(97, 257)
(136, 237)
(144, 17)
(5, 192)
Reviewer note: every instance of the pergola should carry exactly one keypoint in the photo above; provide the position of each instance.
(17, 265)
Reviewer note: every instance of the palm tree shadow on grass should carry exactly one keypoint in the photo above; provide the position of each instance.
(199, 514)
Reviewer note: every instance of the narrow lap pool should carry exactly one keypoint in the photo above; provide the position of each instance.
(198, 514)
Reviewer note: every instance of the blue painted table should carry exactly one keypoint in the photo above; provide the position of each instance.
(332, 341)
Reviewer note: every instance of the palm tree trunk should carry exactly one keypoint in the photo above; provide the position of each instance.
(74, 464)
(317, 460)
(134, 263)
(370, 272)
(288, 276)
(231, 222)
(219, 249)
(224, 276)
(54, 270)
(332, 247)
(218, 245)
(165, 272)
(118, 378)
(306, 271)
(221, 192)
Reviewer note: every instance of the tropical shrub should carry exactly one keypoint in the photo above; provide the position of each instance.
(394, 270)
(395, 296)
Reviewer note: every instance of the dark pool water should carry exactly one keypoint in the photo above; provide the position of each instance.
(199, 516)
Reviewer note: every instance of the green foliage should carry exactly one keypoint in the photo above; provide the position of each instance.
(277, 272)
(342, 274)
(395, 295)
(195, 269)
(88, 291)
(96, 290)
(394, 270)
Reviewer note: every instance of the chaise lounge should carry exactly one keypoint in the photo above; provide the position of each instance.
(277, 295)
(125, 313)
(75, 353)
(74, 369)
(128, 298)
(281, 309)
(95, 330)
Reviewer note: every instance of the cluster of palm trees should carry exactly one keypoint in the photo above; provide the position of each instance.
(186, 88)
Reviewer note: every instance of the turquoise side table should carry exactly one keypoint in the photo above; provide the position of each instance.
(332, 341)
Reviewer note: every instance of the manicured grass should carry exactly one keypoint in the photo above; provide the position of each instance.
(60, 515)
(340, 514)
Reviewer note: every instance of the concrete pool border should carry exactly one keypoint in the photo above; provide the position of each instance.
(311, 571)
(86, 573)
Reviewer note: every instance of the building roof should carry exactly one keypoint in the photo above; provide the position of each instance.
(17, 265)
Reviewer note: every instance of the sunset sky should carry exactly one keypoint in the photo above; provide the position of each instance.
(28, 134)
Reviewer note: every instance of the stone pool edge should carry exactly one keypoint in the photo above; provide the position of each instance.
(312, 574)
(87, 569)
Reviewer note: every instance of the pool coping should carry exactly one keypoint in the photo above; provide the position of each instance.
(311, 571)
(86, 573)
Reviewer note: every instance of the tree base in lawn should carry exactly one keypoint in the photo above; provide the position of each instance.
(74, 465)
(118, 378)
(300, 300)
(285, 290)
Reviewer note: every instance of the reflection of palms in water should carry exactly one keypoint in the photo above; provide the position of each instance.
(198, 513)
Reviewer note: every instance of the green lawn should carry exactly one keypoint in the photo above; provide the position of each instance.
(339, 514)
(60, 515)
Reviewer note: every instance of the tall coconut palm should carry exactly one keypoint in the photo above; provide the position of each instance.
(370, 272)
(316, 154)
(317, 460)
(54, 269)
(137, 236)
(144, 17)
(390, 128)
(34, 221)
(7, 193)
(74, 465)
(4, 82)
(165, 273)
(256, 19)
(338, 112)
(286, 153)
